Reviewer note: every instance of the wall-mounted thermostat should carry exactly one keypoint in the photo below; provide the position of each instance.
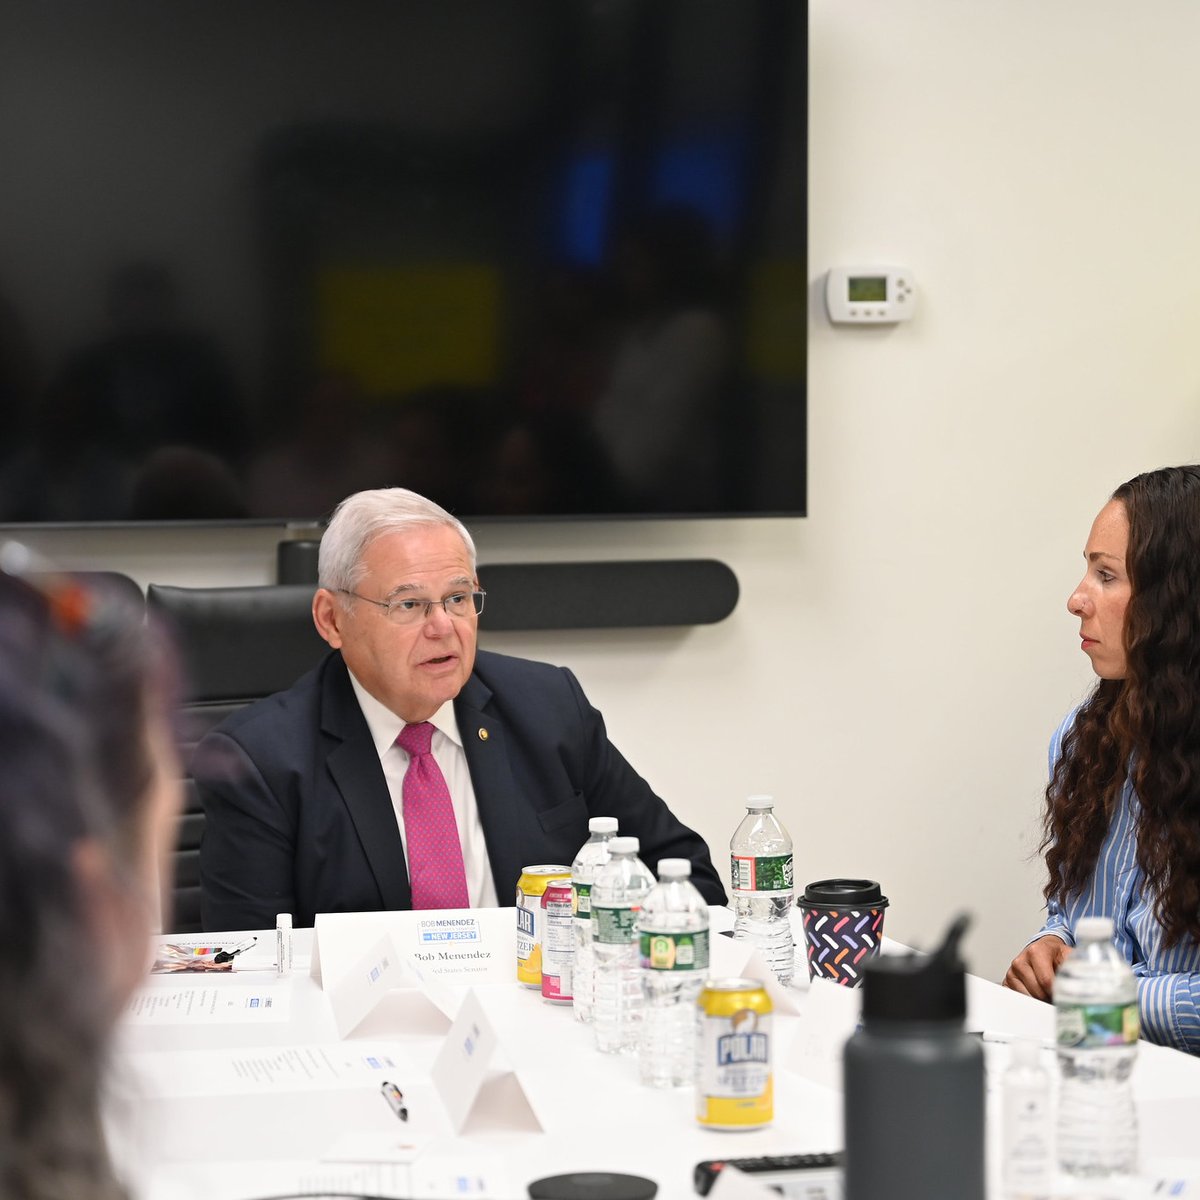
(870, 295)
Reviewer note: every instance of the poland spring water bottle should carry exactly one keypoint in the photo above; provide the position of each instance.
(673, 938)
(761, 866)
(592, 855)
(617, 894)
(1096, 1014)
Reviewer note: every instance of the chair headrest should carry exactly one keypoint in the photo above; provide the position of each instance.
(240, 643)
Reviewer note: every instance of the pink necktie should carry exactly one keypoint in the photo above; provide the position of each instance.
(435, 861)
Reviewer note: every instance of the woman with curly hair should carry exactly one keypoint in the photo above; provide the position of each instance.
(88, 797)
(1122, 822)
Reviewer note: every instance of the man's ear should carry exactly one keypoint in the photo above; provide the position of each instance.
(328, 615)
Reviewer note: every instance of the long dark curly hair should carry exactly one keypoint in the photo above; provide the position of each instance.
(1145, 727)
(78, 687)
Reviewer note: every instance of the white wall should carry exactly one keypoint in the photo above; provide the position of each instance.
(898, 659)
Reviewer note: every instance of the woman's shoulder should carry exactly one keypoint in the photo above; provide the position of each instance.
(1064, 727)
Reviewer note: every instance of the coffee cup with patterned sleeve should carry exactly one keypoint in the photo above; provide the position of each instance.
(843, 926)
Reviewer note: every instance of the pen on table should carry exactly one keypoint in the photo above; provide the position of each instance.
(395, 1098)
(229, 955)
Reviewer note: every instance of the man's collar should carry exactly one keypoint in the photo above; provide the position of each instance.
(385, 726)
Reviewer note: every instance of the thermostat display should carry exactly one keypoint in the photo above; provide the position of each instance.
(867, 289)
(870, 295)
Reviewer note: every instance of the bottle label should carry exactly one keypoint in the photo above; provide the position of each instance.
(1087, 1026)
(773, 874)
(675, 951)
(614, 926)
(581, 900)
(1028, 1161)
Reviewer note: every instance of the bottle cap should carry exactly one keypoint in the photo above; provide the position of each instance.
(918, 987)
(674, 868)
(759, 803)
(624, 845)
(602, 825)
(283, 921)
(1094, 929)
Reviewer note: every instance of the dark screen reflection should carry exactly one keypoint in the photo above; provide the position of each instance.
(529, 258)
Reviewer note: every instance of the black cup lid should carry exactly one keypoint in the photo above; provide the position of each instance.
(844, 893)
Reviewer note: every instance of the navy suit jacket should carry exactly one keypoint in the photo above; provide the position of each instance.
(298, 817)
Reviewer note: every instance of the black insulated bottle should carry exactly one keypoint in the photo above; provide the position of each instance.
(914, 1082)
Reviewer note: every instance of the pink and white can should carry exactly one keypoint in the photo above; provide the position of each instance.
(558, 941)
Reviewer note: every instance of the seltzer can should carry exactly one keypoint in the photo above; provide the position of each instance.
(734, 1088)
(530, 887)
(558, 941)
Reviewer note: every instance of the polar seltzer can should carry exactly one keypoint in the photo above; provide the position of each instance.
(530, 887)
(734, 1089)
(558, 941)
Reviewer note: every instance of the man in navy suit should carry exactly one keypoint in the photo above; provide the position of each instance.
(305, 795)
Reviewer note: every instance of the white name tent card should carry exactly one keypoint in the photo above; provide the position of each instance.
(831, 1015)
(470, 1088)
(356, 992)
(358, 958)
(465, 946)
(729, 959)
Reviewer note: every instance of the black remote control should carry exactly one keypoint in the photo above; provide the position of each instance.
(782, 1172)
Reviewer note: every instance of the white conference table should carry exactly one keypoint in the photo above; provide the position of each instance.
(596, 1116)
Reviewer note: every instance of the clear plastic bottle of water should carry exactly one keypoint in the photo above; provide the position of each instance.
(617, 894)
(673, 940)
(592, 855)
(1096, 1013)
(761, 869)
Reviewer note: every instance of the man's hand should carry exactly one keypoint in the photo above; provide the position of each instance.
(1032, 971)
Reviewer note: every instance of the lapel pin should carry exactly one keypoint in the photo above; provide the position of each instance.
(483, 735)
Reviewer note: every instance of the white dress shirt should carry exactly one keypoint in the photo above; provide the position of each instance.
(450, 757)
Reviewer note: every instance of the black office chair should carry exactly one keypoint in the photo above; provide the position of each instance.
(238, 644)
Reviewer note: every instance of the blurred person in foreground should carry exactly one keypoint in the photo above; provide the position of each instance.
(407, 770)
(88, 799)
(1122, 823)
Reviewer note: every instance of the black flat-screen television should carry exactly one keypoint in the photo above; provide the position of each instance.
(532, 258)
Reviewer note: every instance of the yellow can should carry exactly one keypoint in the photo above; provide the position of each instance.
(734, 1088)
(530, 887)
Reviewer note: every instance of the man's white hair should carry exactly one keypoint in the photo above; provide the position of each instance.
(363, 517)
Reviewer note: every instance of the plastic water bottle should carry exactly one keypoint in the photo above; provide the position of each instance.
(617, 894)
(673, 941)
(1028, 1164)
(761, 869)
(1096, 1013)
(592, 855)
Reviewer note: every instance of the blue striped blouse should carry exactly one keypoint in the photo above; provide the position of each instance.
(1168, 979)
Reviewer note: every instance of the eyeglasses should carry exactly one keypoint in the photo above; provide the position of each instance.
(408, 610)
